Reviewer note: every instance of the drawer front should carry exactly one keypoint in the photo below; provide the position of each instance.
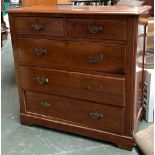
(73, 55)
(97, 28)
(39, 26)
(85, 113)
(77, 85)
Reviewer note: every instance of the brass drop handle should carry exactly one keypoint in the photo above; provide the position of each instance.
(41, 80)
(37, 27)
(40, 51)
(96, 58)
(45, 104)
(95, 115)
(95, 29)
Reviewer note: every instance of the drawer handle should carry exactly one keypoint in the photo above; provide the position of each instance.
(45, 104)
(41, 80)
(95, 29)
(40, 51)
(37, 27)
(96, 58)
(95, 115)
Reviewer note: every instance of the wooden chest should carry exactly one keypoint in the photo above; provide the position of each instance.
(80, 69)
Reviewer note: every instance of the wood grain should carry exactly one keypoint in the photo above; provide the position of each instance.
(111, 28)
(87, 10)
(76, 111)
(96, 57)
(78, 85)
(23, 25)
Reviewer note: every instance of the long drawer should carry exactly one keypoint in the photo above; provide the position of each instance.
(111, 29)
(101, 89)
(73, 55)
(85, 113)
(40, 26)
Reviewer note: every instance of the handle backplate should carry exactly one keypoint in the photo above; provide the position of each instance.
(41, 80)
(40, 51)
(95, 115)
(45, 104)
(96, 58)
(37, 27)
(95, 29)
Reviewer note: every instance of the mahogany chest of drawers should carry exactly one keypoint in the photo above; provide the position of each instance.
(80, 69)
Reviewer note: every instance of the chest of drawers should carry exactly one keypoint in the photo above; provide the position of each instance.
(80, 70)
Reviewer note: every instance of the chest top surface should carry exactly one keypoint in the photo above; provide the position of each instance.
(70, 9)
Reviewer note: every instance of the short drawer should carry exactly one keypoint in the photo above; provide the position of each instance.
(96, 57)
(96, 29)
(106, 90)
(39, 26)
(83, 113)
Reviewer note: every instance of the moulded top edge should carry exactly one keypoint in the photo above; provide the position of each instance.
(71, 9)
